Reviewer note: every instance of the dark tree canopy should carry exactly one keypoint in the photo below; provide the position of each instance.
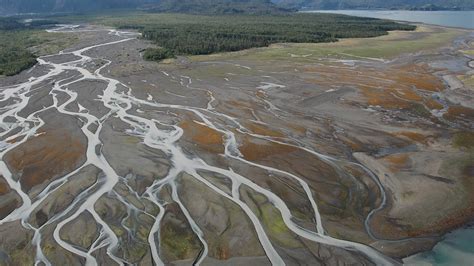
(179, 34)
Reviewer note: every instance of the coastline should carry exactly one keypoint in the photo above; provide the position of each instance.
(412, 16)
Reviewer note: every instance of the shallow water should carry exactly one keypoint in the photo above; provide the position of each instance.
(456, 249)
(461, 19)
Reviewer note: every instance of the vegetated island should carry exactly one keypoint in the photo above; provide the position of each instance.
(186, 34)
(194, 34)
(21, 41)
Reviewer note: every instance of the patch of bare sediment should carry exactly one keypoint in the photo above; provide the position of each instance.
(418, 184)
(81, 232)
(61, 58)
(460, 114)
(180, 192)
(291, 247)
(130, 220)
(178, 241)
(58, 149)
(88, 97)
(127, 153)
(282, 184)
(65, 195)
(227, 230)
(342, 192)
(16, 244)
(405, 86)
(9, 199)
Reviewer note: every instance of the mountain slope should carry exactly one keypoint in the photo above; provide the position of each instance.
(41, 6)
(373, 4)
(218, 6)
(182, 6)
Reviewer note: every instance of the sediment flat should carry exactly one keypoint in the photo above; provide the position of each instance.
(358, 151)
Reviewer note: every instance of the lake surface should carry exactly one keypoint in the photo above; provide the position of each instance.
(461, 19)
(456, 249)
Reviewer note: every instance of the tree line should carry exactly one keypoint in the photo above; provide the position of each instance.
(196, 35)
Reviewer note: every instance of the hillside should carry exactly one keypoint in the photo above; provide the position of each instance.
(46, 6)
(219, 6)
(222, 6)
(378, 4)
(184, 6)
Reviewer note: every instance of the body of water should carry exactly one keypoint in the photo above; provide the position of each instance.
(461, 19)
(457, 248)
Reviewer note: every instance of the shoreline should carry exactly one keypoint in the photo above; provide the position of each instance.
(356, 12)
(142, 78)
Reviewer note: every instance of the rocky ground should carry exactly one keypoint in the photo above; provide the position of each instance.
(296, 154)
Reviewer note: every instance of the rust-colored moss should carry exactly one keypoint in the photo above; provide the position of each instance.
(45, 157)
(459, 112)
(414, 136)
(207, 138)
(263, 130)
(397, 161)
(433, 105)
(256, 151)
(4, 188)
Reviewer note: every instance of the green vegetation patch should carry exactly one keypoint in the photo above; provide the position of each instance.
(18, 40)
(384, 47)
(180, 34)
(157, 54)
(219, 7)
(14, 57)
(464, 140)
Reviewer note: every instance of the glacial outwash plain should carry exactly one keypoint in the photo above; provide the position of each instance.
(355, 152)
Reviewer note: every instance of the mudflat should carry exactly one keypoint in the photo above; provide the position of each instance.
(359, 151)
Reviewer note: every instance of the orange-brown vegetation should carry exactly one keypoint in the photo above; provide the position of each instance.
(459, 113)
(449, 222)
(414, 136)
(260, 94)
(257, 150)
(46, 157)
(203, 136)
(239, 104)
(433, 105)
(383, 98)
(407, 94)
(391, 87)
(418, 76)
(390, 228)
(263, 130)
(4, 188)
(222, 252)
(354, 144)
(297, 128)
(397, 161)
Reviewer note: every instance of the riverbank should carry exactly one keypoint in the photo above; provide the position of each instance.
(332, 139)
(456, 19)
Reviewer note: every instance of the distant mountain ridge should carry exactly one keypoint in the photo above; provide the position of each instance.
(219, 6)
(180, 6)
(47, 6)
(379, 4)
(222, 6)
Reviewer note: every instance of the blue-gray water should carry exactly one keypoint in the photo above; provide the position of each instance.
(456, 249)
(461, 19)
